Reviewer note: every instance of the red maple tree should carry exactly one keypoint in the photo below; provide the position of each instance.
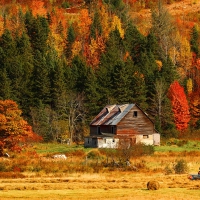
(13, 128)
(180, 106)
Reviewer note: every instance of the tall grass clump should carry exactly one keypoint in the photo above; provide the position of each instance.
(181, 167)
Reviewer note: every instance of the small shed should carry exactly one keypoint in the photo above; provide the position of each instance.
(119, 122)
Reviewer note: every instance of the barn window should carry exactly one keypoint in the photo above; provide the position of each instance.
(98, 130)
(112, 129)
(145, 136)
(113, 140)
(135, 113)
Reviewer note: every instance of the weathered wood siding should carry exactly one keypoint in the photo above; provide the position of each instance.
(131, 124)
(93, 130)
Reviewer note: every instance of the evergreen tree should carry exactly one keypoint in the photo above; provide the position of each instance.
(152, 46)
(38, 31)
(8, 53)
(194, 41)
(79, 73)
(168, 71)
(5, 85)
(40, 80)
(11, 64)
(113, 55)
(25, 56)
(58, 88)
(70, 40)
(92, 95)
(134, 42)
(121, 86)
(96, 28)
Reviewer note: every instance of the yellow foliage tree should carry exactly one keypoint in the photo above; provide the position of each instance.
(76, 48)
(189, 86)
(116, 23)
(104, 21)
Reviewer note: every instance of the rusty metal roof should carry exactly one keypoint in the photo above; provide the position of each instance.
(111, 114)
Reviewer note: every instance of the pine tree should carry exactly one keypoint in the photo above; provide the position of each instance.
(40, 82)
(121, 86)
(70, 40)
(11, 63)
(92, 95)
(96, 28)
(5, 85)
(194, 41)
(79, 73)
(38, 31)
(113, 55)
(134, 42)
(58, 87)
(25, 56)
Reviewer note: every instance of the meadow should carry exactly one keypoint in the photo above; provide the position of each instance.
(89, 174)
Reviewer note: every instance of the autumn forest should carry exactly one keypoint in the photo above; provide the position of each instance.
(62, 61)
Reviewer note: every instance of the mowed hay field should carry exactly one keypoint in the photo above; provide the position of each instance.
(115, 185)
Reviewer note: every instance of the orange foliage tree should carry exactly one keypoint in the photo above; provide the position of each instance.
(180, 106)
(37, 8)
(195, 106)
(14, 130)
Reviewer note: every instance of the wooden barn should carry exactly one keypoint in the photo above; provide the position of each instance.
(121, 122)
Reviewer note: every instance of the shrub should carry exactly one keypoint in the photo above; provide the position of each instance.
(65, 5)
(141, 149)
(168, 170)
(181, 167)
(2, 167)
(93, 154)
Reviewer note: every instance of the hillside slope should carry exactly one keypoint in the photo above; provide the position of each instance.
(182, 9)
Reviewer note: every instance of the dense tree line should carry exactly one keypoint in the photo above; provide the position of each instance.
(61, 89)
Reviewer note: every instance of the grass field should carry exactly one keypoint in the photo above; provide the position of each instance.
(37, 176)
(100, 186)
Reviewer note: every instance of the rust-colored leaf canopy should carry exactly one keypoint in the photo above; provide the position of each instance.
(180, 106)
(13, 128)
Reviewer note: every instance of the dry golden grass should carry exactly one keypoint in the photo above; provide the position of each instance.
(113, 185)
